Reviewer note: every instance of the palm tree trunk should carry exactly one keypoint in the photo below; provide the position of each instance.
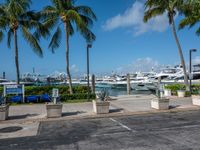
(16, 56)
(67, 59)
(180, 53)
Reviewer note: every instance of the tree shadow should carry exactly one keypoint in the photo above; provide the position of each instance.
(116, 110)
(22, 116)
(72, 113)
(174, 106)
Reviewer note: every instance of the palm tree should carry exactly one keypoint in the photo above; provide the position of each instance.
(65, 12)
(155, 8)
(191, 11)
(15, 16)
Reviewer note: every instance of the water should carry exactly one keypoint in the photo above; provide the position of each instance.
(116, 92)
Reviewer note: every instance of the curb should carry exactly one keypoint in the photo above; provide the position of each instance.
(94, 116)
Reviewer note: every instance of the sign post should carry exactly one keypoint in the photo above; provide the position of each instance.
(14, 89)
(55, 95)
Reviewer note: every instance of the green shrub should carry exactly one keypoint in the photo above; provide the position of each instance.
(1, 90)
(69, 97)
(37, 90)
(175, 87)
(80, 92)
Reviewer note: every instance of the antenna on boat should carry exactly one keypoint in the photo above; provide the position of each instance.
(33, 70)
(4, 75)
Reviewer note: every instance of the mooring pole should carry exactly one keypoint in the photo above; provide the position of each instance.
(93, 84)
(88, 71)
(128, 84)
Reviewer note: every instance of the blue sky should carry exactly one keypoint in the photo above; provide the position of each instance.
(124, 43)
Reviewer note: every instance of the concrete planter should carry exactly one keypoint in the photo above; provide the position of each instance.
(4, 111)
(54, 110)
(101, 107)
(160, 104)
(181, 93)
(196, 100)
(167, 93)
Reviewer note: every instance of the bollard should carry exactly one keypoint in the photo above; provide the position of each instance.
(93, 84)
(128, 84)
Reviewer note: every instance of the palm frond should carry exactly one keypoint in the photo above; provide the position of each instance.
(198, 31)
(151, 13)
(191, 12)
(87, 21)
(32, 41)
(57, 4)
(74, 17)
(16, 8)
(88, 34)
(86, 11)
(48, 11)
(55, 41)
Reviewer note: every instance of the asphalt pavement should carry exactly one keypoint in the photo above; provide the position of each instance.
(160, 131)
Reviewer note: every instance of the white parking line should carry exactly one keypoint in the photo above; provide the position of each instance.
(122, 125)
(181, 127)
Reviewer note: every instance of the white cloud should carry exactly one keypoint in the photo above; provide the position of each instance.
(196, 60)
(141, 64)
(132, 19)
(74, 69)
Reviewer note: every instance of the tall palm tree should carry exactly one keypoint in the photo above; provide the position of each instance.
(155, 8)
(191, 11)
(15, 16)
(65, 12)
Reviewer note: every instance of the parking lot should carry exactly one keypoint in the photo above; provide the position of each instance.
(153, 131)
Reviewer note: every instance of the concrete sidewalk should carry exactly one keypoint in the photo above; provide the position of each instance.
(120, 104)
(137, 103)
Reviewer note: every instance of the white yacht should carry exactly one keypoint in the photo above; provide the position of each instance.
(170, 72)
(142, 79)
(196, 72)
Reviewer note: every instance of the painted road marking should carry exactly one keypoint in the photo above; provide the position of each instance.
(122, 125)
(180, 127)
(108, 134)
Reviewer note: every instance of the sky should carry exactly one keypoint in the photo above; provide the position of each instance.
(124, 43)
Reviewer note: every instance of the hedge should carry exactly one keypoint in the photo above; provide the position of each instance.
(39, 90)
(80, 92)
(175, 87)
(1, 90)
(69, 97)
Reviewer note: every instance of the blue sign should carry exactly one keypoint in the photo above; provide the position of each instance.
(14, 89)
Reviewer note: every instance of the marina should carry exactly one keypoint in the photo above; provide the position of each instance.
(140, 82)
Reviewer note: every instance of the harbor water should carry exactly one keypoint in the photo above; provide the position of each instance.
(116, 92)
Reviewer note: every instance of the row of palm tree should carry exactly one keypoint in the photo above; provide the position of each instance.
(190, 9)
(16, 16)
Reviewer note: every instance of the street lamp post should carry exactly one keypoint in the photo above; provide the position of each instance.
(190, 69)
(88, 71)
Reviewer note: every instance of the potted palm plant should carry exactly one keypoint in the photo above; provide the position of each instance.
(160, 102)
(181, 91)
(101, 105)
(196, 98)
(4, 109)
(54, 109)
(167, 92)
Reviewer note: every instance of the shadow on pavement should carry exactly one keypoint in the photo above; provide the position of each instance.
(116, 110)
(72, 113)
(174, 106)
(23, 116)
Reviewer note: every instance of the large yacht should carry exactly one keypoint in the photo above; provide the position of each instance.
(196, 72)
(170, 72)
